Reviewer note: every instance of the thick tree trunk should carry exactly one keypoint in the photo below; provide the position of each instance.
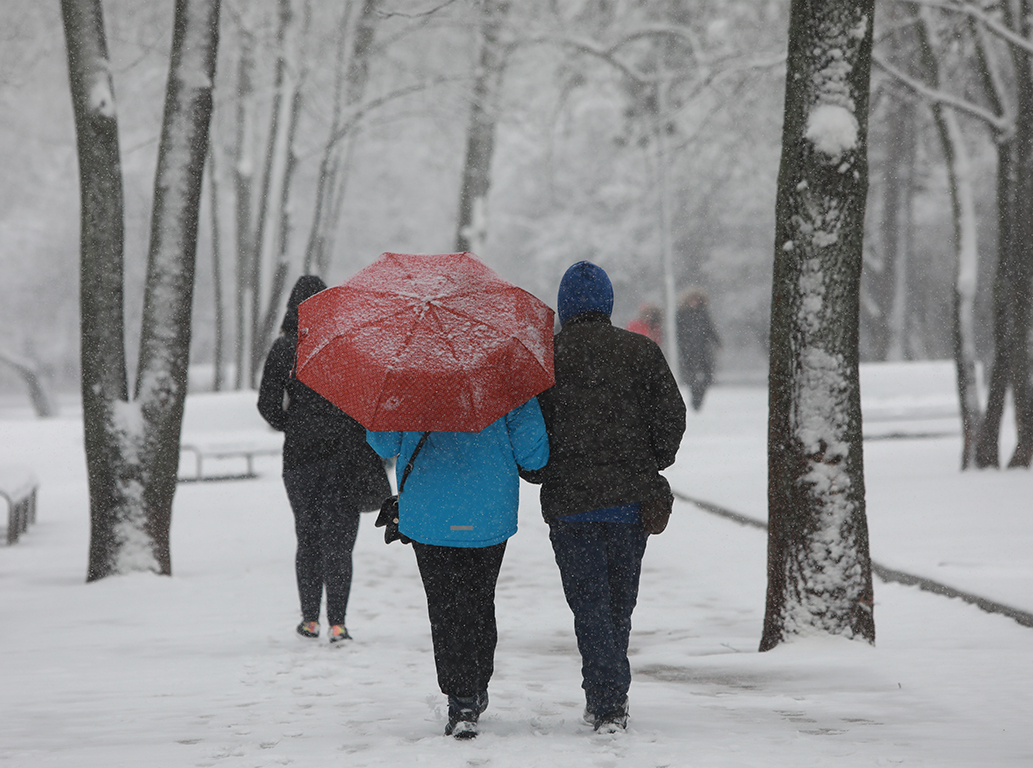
(472, 229)
(132, 448)
(101, 237)
(161, 382)
(819, 570)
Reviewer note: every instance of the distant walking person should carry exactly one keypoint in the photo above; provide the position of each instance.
(614, 418)
(329, 471)
(697, 340)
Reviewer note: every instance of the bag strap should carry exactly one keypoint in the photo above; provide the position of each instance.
(408, 467)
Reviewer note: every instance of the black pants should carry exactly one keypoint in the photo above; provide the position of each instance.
(460, 586)
(326, 521)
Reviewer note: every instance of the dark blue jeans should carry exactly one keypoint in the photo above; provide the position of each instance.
(326, 521)
(600, 565)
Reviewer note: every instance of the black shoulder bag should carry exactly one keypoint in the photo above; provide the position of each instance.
(388, 517)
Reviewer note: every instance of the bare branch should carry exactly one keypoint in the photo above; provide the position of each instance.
(418, 15)
(980, 15)
(998, 123)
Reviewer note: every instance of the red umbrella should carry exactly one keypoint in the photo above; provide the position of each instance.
(418, 342)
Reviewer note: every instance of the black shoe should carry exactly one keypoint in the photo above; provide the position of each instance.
(611, 720)
(463, 713)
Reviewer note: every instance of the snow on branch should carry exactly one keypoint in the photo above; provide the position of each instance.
(975, 12)
(998, 123)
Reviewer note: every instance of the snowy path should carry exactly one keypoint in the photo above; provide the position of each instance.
(203, 669)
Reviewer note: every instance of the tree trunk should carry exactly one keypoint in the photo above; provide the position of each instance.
(42, 403)
(889, 284)
(132, 448)
(219, 354)
(966, 249)
(472, 228)
(161, 382)
(243, 184)
(273, 179)
(352, 75)
(819, 569)
(1022, 299)
(101, 237)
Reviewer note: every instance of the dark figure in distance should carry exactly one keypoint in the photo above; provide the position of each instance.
(697, 341)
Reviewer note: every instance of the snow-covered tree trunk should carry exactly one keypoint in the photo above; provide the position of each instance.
(132, 446)
(819, 570)
(472, 228)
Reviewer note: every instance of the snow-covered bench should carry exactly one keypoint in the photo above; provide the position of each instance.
(224, 437)
(910, 399)
(18, 486)
(232, 456)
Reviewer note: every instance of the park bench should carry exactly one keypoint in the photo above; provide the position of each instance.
(224, 438)
(18, 487)
(233, 457)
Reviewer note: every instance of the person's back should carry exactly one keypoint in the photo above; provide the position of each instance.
(612, 417)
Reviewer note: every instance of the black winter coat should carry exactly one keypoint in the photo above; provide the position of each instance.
(315, 429)
(615, 418)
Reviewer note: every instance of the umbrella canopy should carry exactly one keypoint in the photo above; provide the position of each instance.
(425, 342)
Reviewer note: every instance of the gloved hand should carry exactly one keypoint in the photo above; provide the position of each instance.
(388, 520)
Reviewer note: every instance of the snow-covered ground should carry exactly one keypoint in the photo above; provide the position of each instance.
(204, 668)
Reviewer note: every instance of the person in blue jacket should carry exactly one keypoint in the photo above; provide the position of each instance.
(459, 507)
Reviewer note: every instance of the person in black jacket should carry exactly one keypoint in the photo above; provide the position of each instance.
(615, 418)
(329, 470)
(697, 341)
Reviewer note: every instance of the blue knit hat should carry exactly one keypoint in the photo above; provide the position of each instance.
(584, 288)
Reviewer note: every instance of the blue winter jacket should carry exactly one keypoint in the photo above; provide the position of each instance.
(464, 489)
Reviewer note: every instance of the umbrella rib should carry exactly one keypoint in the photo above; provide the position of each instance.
(316, 349)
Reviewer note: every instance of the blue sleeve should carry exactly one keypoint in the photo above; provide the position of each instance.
(527, 435)
(386, 444)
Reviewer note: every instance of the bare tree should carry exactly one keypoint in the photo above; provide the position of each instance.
(819, 568)
(472, 228)
(132, 444)
(351, 74)
(29, 371)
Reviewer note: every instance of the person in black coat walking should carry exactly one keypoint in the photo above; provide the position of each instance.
(614, 418)
(329, 471)
(697, 340)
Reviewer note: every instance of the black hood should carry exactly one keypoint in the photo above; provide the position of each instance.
(307, 286)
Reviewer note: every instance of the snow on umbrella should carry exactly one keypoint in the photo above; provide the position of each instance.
(425, 342)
